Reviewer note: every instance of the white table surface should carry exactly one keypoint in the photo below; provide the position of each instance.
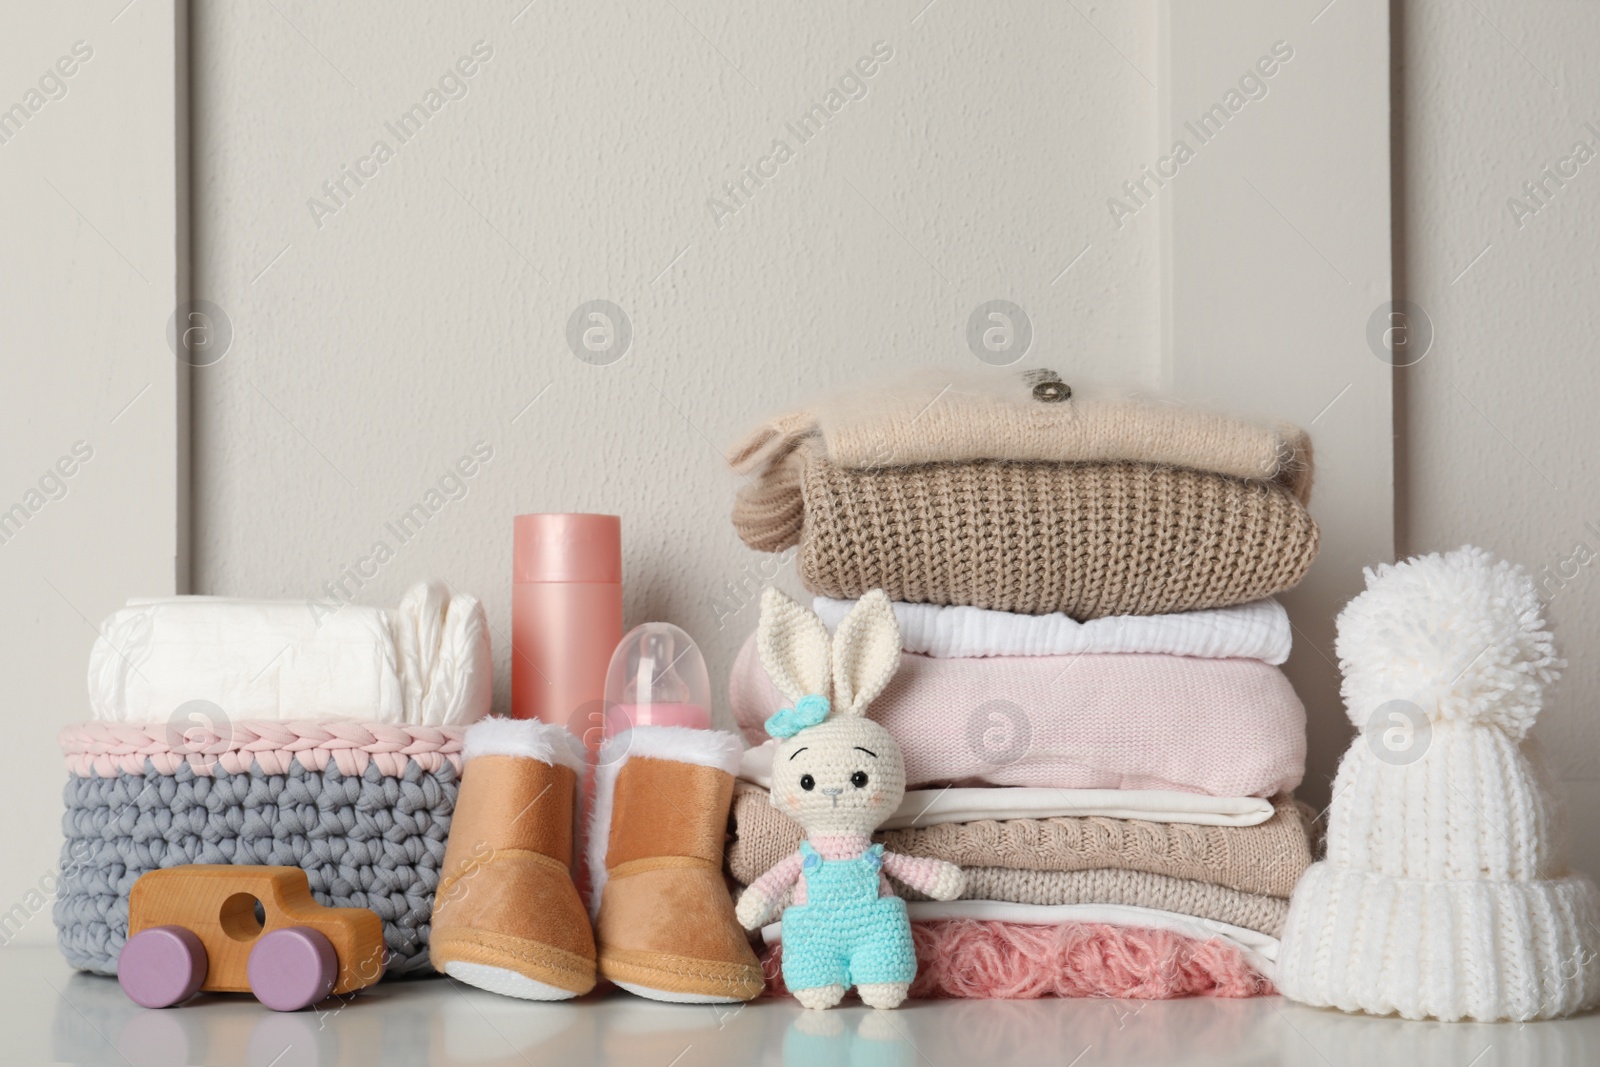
(48, 1014)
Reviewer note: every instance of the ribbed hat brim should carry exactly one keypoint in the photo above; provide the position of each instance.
(1447, 950)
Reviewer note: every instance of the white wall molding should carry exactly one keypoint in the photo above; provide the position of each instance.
(93, 419)
(1276, 254)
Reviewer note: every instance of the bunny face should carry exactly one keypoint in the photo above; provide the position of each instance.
(845, 776)
(836, 771)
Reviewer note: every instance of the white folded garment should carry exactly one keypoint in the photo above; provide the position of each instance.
(931, 807)
(426, 663)
(1258, 630)
(1259, 950)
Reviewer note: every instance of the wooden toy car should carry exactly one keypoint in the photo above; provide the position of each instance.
(226, 929)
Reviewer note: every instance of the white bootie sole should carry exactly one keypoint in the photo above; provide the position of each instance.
(507, 983)
(676, 998)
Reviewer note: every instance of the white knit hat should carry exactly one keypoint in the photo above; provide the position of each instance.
(1445, 892)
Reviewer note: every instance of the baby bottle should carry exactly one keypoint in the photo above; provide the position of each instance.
(657, 677)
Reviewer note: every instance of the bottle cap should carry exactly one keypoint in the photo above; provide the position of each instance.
(565, 547)
(657, 677)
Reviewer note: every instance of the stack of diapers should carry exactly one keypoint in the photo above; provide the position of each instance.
(296, 733)
(1090, 702)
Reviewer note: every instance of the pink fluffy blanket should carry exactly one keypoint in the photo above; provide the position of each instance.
(977, 960)
(1227, 727)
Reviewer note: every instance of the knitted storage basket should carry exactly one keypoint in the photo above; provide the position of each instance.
(362, 807)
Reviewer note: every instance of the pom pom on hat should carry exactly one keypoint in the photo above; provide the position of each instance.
(1460, 634)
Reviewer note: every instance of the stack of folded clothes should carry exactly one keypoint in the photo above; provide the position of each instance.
(1094, 722)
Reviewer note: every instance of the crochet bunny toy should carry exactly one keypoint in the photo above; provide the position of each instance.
(839, 775)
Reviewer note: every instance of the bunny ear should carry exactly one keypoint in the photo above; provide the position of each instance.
(866, 652)
(794, 646)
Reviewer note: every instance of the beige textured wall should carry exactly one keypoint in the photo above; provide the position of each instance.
(380, 336)
(425, 313)
(1498, 425)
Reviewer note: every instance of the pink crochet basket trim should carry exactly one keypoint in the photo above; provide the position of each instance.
(985, 960)
(106, 749)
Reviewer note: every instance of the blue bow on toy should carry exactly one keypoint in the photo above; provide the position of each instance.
(807, 711)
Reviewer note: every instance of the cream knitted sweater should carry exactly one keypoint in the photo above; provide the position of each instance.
(946, 416)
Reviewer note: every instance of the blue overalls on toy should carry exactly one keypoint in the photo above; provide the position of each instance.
(845, 933)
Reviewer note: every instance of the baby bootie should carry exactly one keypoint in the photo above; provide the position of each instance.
(507, 916)
(663, 916)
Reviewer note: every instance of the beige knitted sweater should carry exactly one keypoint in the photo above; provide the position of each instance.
(1202, 900)
(1266, 859)
(1139, 889)
(948, 416)
(1090, 539)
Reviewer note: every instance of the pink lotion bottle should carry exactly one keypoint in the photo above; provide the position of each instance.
(657, 677)
(566, 618)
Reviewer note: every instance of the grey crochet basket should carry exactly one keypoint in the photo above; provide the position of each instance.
(371, 838)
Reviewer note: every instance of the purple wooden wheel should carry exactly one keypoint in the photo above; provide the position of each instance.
(292, 968)
(161, 966)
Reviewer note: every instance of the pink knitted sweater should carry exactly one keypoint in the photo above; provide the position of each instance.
(1227, 727)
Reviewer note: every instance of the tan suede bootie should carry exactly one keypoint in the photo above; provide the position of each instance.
(506, 916)
(663, 916)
